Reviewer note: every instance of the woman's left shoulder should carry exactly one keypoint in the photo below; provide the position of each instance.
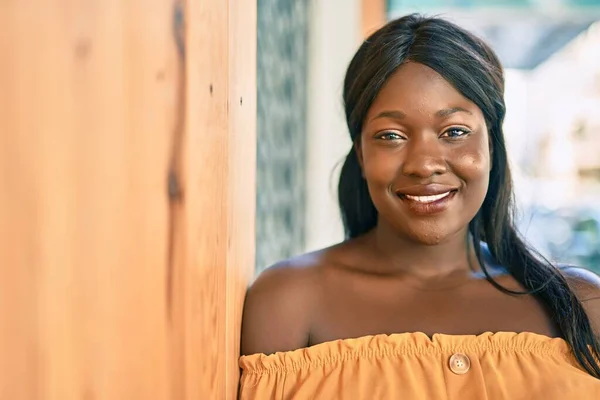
(586, 285)
(584, 282)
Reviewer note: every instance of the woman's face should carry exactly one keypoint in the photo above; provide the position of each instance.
(425, 155)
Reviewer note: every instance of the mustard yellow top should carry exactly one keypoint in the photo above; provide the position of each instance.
(412, 366)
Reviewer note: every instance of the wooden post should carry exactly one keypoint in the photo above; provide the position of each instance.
(373, 16)
(127, 159)
(221, 158)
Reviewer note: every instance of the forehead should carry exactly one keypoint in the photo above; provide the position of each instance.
(416, 88)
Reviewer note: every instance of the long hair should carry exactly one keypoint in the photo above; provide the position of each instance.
(468, 64)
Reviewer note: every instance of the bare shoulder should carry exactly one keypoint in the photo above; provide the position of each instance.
(583, 281)
(278, 306)
(586, 285)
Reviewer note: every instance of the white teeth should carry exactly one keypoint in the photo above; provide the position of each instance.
(428, 199)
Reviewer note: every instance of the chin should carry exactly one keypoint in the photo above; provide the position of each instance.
(429, 239)
(429, 234)
(429, 230)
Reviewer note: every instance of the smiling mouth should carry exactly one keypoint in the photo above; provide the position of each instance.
(427, 199)
(428, 204)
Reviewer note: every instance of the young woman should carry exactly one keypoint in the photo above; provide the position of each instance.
(433, 295)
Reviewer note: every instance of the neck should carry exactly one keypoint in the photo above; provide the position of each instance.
(453, 255)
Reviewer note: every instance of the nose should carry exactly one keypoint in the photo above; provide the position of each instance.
(424, 157)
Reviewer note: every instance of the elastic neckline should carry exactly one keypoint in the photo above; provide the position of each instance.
(399, 344)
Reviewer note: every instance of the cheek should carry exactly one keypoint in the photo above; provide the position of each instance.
(379, 168)
(476, 161)
(474, 168)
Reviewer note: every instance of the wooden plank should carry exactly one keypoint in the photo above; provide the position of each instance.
(221, 125)
(374, 16)
(90, 86)
(116, 282)
(242, 182)
(206, 170)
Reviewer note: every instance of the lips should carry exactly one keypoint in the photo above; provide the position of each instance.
(427, 199)
(432, 189)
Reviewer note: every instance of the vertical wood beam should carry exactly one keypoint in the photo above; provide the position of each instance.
(127, 164)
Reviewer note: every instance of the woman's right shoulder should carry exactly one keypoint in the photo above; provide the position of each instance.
(279, 305)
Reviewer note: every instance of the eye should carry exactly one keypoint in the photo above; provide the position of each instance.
(389, 135)
(454, 133)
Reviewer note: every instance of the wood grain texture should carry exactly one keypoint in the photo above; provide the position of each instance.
(242, 181)
(116, 282)
(84, 209)
(221, 124)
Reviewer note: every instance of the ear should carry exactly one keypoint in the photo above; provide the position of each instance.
(359, 156)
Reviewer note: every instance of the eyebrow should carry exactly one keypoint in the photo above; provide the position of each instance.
(444, 113)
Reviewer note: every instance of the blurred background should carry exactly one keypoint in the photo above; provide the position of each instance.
(551, 52)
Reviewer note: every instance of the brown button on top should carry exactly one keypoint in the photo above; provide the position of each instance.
(459, 364)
